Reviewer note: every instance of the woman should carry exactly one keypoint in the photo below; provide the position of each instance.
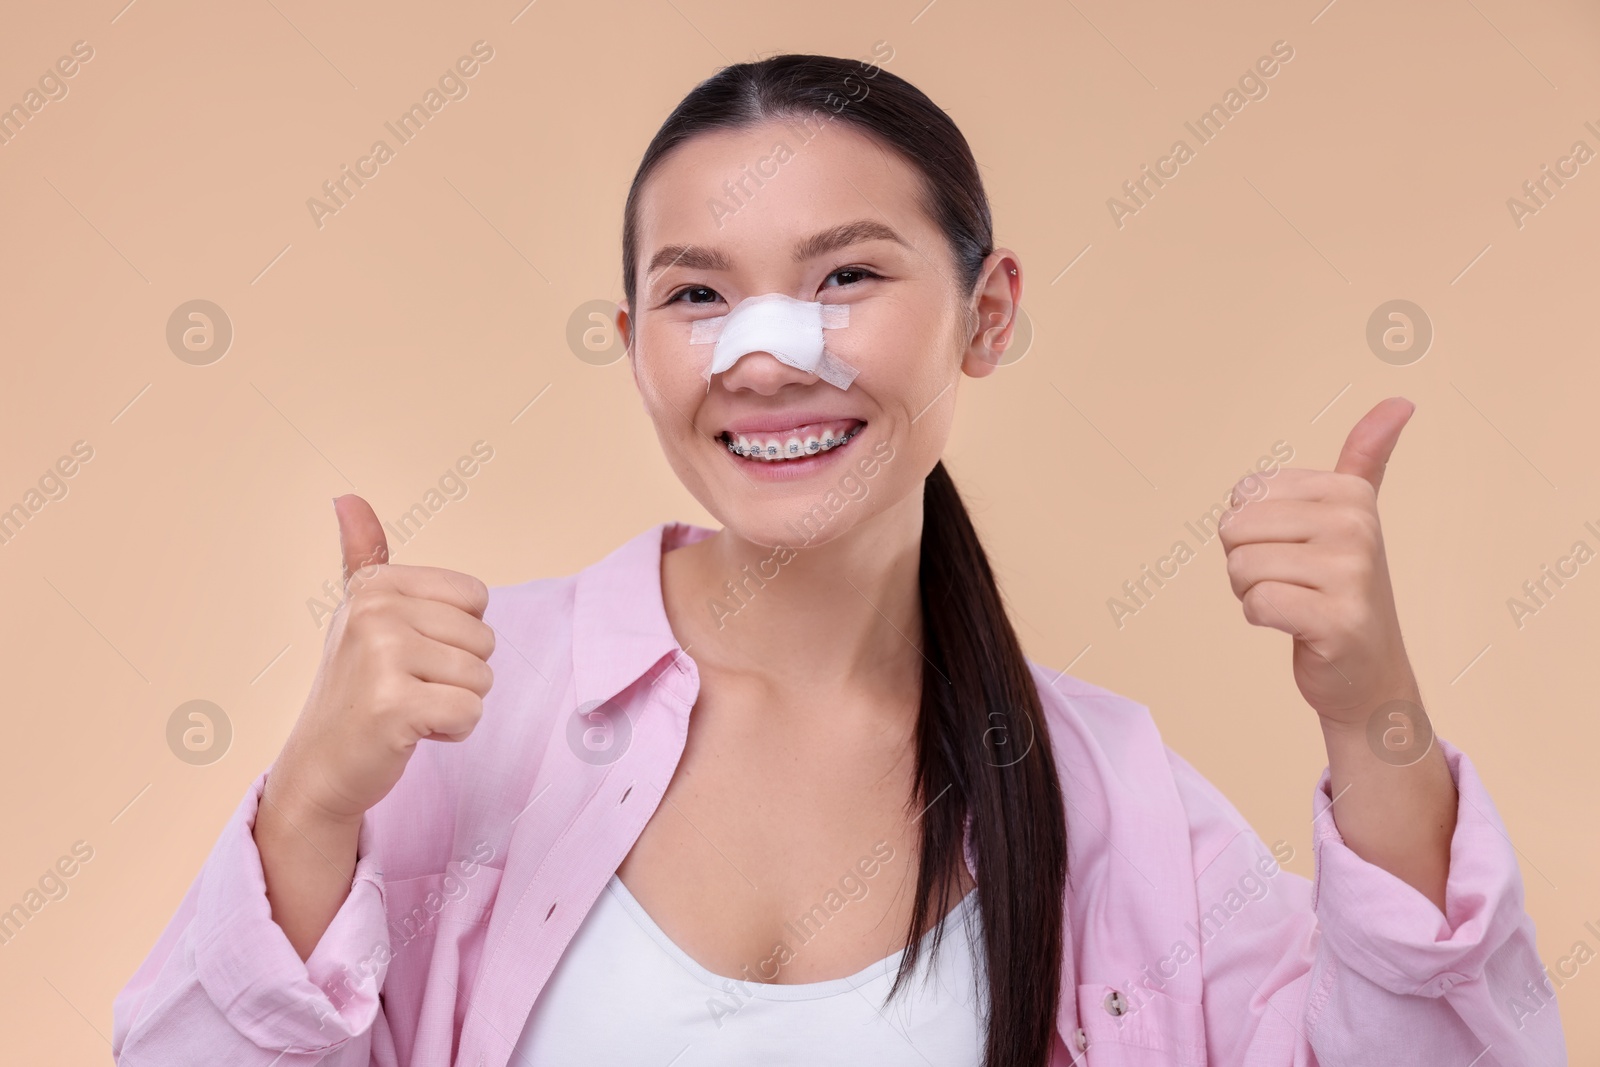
(855, 849)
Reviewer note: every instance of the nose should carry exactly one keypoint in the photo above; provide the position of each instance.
(764, 374)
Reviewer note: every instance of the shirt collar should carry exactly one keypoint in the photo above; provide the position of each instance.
(620, 628)
(619, 619)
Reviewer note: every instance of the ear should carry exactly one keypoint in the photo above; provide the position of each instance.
(624, 325)
(998, 296)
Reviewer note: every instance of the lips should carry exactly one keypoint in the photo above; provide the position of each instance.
(789, 424)
(789, 439)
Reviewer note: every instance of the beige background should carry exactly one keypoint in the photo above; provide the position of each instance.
(369, 354)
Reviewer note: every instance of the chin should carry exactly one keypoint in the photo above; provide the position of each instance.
(805, 502)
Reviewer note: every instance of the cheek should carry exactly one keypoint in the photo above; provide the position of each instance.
(919, 369)
(907, 350)
(666, 369)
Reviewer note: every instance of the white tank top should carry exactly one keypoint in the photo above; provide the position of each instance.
(623, 994)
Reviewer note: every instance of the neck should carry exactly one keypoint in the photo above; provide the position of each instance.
(804, 617)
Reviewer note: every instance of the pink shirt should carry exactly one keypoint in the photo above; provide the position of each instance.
(1187, 944)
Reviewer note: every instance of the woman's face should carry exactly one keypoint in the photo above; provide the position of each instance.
(734, 214)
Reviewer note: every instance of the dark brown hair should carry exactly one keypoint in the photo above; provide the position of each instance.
(980, 707)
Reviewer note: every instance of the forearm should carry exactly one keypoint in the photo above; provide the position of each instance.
(308, 861)
(1396, 810)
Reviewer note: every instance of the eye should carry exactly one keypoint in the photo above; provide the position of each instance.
(861, 271)
(693, 289)
(855, 275)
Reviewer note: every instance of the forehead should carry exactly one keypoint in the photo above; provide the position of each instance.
(757, 191)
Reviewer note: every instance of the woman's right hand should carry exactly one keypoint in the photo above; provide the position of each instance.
(405, 660)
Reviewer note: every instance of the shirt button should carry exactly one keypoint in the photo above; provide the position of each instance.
(1116, 1003)
(1081, 1039)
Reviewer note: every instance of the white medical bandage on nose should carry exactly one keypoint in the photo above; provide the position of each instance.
(788, 329)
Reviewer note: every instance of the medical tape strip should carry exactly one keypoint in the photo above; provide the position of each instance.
(789, 329)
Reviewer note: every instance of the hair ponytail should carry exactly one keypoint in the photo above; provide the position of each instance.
(979, 703)
(981, 736)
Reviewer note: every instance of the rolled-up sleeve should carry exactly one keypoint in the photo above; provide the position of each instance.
(1357, 967)
(223, 984)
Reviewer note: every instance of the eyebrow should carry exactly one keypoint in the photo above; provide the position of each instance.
(699, 257)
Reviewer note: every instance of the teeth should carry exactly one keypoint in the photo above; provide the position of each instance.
(794, 447)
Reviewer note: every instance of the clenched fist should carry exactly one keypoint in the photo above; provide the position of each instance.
(405, 660)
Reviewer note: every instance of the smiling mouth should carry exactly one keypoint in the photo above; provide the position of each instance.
(799, 442)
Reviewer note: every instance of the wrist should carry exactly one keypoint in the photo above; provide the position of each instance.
(1398, 684)
(286, 797)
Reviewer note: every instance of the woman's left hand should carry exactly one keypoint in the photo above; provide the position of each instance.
(1307, 558)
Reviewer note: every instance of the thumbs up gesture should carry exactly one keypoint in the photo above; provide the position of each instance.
(1308, 559)
(405, 660)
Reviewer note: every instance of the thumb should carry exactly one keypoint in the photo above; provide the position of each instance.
(1366, 451)
(361, 539)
